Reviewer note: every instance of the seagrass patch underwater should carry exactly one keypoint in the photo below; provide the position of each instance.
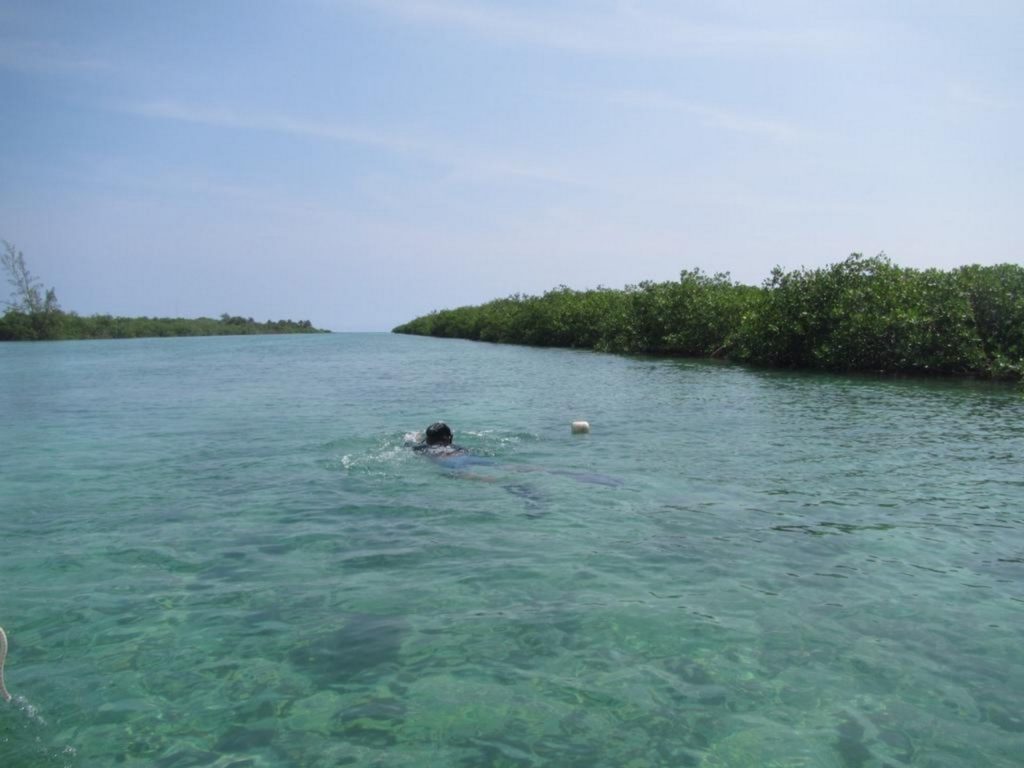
(222, 552)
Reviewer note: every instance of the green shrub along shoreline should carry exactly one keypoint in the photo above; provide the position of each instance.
(861, 314)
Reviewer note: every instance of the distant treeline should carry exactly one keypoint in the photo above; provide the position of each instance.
(34, 314)
(47, 326)
(862, 314)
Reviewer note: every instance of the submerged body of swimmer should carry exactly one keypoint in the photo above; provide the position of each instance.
(438, 444)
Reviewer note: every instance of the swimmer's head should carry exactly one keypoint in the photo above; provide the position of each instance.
(439, 433)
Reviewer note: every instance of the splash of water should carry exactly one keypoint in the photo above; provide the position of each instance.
(3, 655)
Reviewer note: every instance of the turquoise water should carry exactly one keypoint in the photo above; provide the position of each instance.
(221, 552)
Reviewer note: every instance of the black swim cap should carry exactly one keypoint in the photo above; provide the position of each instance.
(438, 432)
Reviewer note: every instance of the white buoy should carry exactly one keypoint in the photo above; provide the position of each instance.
(580, 427)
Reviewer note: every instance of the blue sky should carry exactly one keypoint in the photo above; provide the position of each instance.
(361, 162)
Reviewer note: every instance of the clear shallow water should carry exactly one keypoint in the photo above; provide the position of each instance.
(219, 552)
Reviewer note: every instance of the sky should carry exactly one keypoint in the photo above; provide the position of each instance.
(358, 163)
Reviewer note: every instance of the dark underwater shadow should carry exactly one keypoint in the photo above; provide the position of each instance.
(357, 650)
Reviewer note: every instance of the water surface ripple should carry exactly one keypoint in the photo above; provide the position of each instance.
(221, 552)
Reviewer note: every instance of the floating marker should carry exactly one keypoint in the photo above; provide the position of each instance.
(580, 427)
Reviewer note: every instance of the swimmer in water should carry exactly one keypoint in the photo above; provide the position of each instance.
(438, 442)
(439, 446)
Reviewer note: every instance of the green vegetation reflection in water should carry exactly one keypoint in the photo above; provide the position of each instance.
(862, 314)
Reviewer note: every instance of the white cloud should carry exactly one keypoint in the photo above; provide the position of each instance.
(225, 117)
(622, 28)
(973, 96)
(715, 117)
(462, 163)
(45, 57)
